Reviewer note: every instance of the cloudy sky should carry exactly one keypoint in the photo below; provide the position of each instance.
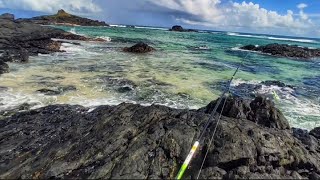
(284, 17)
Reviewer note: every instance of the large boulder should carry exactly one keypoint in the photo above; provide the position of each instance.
(7, 16)
(284, 50)
(260, 111)
(177, 28)
(139, 48)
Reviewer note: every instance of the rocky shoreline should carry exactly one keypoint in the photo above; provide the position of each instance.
(284, 50)
(253, 141)
(19, 40)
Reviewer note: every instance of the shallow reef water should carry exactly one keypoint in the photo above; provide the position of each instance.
(187, 70)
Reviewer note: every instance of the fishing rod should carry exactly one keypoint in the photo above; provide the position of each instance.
(197, 143)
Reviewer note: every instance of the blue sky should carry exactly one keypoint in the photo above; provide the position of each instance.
(284, 17)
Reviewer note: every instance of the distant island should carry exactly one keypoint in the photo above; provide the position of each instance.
(181, 29)
(63, 18)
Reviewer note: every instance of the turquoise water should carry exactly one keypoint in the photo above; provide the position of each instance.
(187, 70)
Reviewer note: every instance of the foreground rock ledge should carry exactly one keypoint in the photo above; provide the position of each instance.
(284, 50)
(133, 141)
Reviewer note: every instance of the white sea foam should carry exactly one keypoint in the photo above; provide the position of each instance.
(73, 31)
(115, 25)
(9, 100)
(106, 38)
(154, 28)
(295, 109)
(272, 38)
(72, 49)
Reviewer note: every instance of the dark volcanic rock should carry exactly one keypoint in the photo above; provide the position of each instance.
(7, 16)
(275, 83)
(177, 28)
(57, 91)
(139, 48)
(4, 67)
(6, 57)
(316, 132)
(48, 92)
(181, 29)
(64, 18)
(23, 39)
(19, 40)
(133, 141)
(284, 50)
(260, 110)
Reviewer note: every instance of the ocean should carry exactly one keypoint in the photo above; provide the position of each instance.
(187, 70)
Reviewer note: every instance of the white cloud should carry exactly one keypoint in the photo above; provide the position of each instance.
(51, 6)
(238, 16)
(302, 6)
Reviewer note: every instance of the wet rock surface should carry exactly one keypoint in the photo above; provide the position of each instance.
(284, 50)
(57, 91)
(139, 48)
(134, 141)
(4, 67)
(17, 38)
(251, 90)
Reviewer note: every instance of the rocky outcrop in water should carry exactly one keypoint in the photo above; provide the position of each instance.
(181, 29)
(134, 141)
(139, 48)
(284, 50)
(64, 18)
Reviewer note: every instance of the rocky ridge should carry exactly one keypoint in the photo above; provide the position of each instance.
(284, 50)
(64, 18)
(134, 141)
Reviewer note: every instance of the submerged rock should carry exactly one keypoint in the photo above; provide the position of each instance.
(285, 50)
(6, 57)
(4, 67)
(57, 91)
(134, 141)
(139, 48)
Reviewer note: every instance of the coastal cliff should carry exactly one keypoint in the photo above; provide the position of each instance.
(63, 18)
(134, 141)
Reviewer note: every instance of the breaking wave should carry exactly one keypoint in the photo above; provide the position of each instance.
(272, 38)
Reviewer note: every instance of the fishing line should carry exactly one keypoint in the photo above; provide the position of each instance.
(197, 143)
